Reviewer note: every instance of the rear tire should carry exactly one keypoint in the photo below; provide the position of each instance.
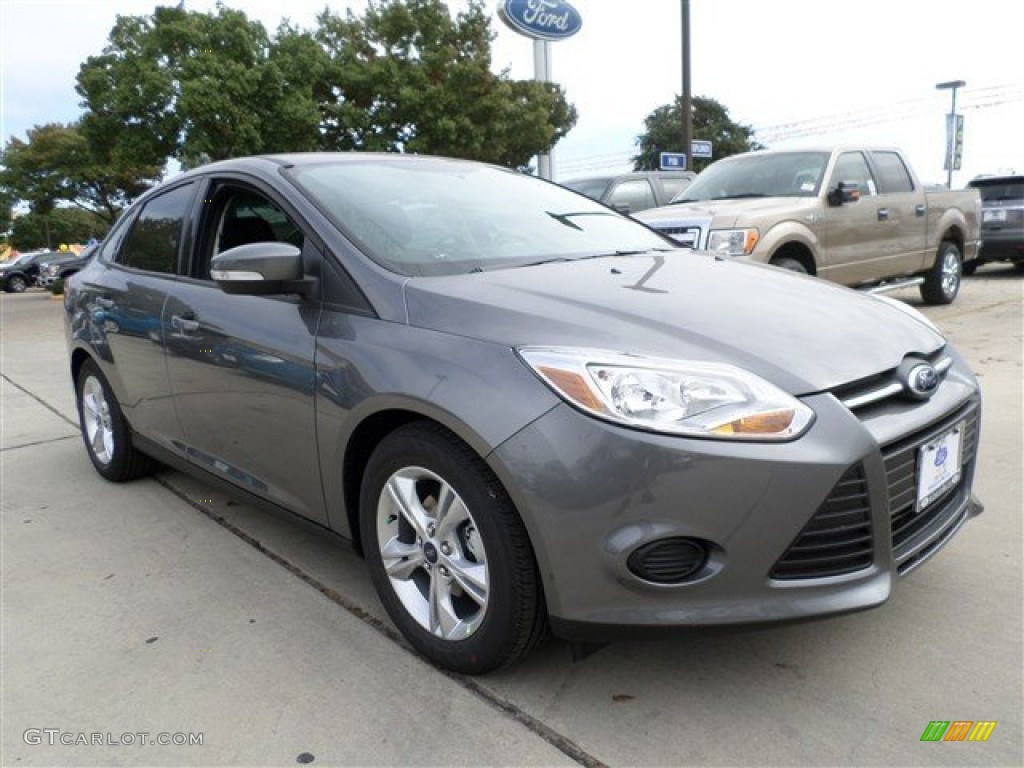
(107, 436)
(942, 282)
(16, 284)
(448, 554)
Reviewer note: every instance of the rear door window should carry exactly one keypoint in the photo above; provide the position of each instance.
(893, 176)
(154, 242)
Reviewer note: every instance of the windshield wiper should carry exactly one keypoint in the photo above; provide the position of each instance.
(740, 196)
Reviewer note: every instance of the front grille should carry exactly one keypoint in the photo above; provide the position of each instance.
(837, 539)
(689, 236)
(913, 530)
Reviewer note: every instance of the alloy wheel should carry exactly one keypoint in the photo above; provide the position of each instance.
(96, 418)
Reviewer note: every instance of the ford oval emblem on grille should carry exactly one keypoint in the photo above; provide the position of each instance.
(922, 381)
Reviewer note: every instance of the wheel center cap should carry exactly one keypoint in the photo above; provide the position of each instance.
(430, 552)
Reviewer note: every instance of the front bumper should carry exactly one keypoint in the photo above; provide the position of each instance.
(591, 493)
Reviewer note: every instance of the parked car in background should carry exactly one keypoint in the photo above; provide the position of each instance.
(632, 192)
(522, 407)
(23, 272)
(1002, 220)
(63, 266)
(854, 215)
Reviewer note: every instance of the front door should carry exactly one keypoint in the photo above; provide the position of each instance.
(242, 367)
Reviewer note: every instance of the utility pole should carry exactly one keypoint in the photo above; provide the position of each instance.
(687, 105)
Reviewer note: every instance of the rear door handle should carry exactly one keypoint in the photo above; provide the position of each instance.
(185, 322)
(920, 210)
(883, 214)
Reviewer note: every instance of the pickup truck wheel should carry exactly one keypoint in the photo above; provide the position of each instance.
(792, 265)
(15, 284)
(942, 282)
(447, 552)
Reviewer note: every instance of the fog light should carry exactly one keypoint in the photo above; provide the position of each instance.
(668, 561)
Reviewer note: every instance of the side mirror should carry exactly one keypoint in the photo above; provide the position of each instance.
(845, 192)
(622, 208)
(260, 269)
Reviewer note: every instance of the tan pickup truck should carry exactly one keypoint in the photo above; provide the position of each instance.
(854, 215)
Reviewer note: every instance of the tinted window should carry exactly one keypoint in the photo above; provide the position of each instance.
(893, 175)
(673, 185)
(852, 167)
(993, 190)
(153, 242)
(594, 188)
(637, 194)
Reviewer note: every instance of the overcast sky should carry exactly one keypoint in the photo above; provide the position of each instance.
(803, 72)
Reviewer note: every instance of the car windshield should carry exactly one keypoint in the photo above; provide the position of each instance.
(992, 190)
(428, 216)
(785, 174)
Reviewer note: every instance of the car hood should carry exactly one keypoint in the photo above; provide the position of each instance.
(726, 211)
(801, 333)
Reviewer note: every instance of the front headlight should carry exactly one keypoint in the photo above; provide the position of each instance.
(52, 270)
(732, 242)
(695, 399)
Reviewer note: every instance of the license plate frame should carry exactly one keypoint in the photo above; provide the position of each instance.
(939, 465)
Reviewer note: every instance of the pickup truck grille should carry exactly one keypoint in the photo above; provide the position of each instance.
(688, 236)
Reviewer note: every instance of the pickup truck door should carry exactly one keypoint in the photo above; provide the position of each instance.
(853, 234)
(903, 211)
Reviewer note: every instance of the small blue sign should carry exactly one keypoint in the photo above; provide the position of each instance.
(541, 19)
(672, 161)
(700, 148)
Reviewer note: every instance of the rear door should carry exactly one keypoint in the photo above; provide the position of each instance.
(242, 367)
(125, 302)
(901, 211)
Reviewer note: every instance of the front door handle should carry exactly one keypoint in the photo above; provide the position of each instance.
(920, 210)
(185, 322)
(883, 214)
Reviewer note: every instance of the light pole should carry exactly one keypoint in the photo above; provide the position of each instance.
(951, 127)
(687, 105)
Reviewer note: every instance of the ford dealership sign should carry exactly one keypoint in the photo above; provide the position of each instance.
(541, 19)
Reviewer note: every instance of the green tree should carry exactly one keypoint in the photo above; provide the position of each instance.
(663, 132)
(406, 76)
(414, 79)
(59, 162)
(61, 225)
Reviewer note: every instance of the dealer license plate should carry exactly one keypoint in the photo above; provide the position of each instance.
(938, 466)
(996, 215)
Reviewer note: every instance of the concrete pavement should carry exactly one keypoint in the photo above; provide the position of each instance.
(270, 642)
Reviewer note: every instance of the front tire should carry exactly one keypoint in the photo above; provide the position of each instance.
(107, 436)
(448, 553)
(784, 262)
(942, 282)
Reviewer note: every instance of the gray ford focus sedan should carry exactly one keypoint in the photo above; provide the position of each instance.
(524, 409)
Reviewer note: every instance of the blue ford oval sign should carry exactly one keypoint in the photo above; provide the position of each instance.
(541, 19)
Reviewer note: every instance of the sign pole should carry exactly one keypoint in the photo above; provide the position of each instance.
(542, 74)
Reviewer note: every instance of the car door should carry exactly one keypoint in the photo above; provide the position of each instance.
(125, 302)
(241, 368)
(901, 211)
(853, 236)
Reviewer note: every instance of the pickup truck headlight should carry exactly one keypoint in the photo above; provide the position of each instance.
(695, 399)
(52, 270)
(732, 242)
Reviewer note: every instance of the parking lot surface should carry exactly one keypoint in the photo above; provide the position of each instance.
(162, 607)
